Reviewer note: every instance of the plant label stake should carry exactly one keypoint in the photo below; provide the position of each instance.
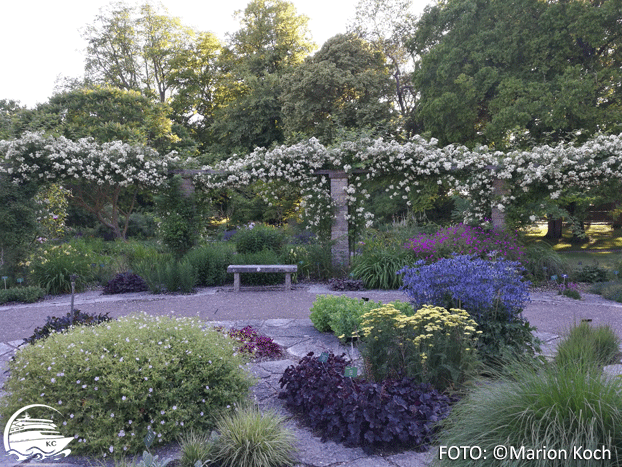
(20, 280)
(4, 278)
(350, 372)
(323, 357)
(149, 438)
(554, 277)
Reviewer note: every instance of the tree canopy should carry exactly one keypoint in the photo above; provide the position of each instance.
(345, 85)
(133, 48)
(272, 39)
(494, 71)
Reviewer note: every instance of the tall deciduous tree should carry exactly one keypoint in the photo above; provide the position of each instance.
(492, 71)
(132, 48)
(195, 76)
(345, 85)
(272, 39)
(387, 25)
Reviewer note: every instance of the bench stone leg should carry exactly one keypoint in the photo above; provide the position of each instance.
(236, 281)
(288, 281)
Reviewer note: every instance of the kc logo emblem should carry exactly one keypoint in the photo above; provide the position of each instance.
(31, 433)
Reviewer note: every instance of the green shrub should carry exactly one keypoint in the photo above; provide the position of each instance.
(572, 293)
(253, 438)
(141, 226)
(196, 447)
(51, 267)
(259, 238)
(598, 287)
(613, 292)
(313, 260)
(21, 294)
(210, 263)
(591, 274)
(433, 345)
(179, 226)
(587, 346)
(168, 275)
(379, 256)
(549, 408)
(342, 314)
(502, 340)
(541, 262)
(329, 309)
(377, 266)
(113, 381)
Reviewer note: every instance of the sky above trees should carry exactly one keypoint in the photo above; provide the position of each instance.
(41, 39)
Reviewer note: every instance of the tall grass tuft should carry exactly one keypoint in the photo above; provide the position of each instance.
(589, 347)
(553, 408)
(196, 447)
(378, 267)
(252, 438)
(541, 262)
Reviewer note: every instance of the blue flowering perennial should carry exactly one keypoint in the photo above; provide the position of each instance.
(474, 284)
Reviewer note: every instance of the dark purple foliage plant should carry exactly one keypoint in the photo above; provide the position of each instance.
(392, 413)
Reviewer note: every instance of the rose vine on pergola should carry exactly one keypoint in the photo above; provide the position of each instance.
(492, 180)
(474, 173)
(103, 177)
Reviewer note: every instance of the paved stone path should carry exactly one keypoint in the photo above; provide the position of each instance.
(284, 317)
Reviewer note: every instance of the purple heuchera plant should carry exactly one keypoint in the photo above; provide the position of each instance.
(467, 282)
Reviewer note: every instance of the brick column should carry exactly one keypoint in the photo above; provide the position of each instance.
(339, 233)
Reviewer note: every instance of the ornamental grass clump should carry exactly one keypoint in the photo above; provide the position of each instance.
(549, 416)
(589, 347)
(433, 346)
(114, 381)
(249, 437)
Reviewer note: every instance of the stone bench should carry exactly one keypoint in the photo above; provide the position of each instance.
(238, 269)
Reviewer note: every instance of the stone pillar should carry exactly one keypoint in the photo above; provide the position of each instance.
(498, 216)
(187, 187)
(339, 233)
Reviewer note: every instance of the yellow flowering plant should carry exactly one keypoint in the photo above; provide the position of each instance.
(434, 345)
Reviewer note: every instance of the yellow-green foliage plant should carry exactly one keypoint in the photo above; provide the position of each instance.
(433, 345)
(113, 382)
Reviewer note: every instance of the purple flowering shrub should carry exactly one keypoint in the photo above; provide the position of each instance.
(467, 282)
(492, 292)
(466, 240)
(260, 347)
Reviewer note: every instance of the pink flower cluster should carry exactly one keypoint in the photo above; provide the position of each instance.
(463, 239)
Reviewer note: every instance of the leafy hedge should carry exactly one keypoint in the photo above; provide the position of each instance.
(360, 413)
(21, 294)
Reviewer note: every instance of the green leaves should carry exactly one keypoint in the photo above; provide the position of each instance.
(492, 69)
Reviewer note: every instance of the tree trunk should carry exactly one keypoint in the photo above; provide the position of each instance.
(554, 229)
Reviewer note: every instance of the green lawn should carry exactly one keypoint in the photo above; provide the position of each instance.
(600, 237)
